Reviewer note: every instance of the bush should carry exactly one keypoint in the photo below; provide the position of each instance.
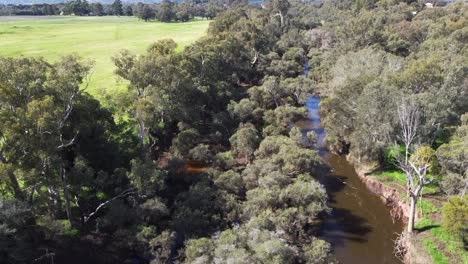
(455, 216)
(201, 153)
(391, 154)
(318, 251)
(245, 141)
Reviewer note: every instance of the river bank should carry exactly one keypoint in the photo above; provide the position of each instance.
(399, 209)
(430, 243)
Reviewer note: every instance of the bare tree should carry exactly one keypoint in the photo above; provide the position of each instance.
(409, 116)
(417, 165)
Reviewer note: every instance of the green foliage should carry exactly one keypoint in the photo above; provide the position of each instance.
(244, 142)
(185, 141)
(146, 177)
(117, 8)
(452, 158)
(230, 181)
(230, 101)
(317, 251)
(391, 154)
(455, 216)
(199, 251)
(152, 210)
(201, 153)
(425, 155)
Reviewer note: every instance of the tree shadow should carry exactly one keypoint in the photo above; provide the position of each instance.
(342, 226)
(428, 227)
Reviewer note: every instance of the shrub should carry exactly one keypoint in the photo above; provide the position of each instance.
(455, 216)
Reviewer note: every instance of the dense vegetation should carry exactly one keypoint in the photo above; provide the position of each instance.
(164, 11)
(205, 164)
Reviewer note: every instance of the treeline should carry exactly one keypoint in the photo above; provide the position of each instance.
(164, 11)
(74, 7)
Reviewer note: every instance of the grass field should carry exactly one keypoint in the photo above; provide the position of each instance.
(93, 38)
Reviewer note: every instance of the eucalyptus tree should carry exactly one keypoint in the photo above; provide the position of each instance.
(38, 102)
(161, 92)
(453, 158)
(117, 8)
(52, 133)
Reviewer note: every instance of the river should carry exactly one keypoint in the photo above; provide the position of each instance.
(359, 227)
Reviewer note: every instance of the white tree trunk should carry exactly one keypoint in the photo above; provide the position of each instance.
(66, 195)
(412, 215)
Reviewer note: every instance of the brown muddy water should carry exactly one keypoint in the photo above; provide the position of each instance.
(359, 227)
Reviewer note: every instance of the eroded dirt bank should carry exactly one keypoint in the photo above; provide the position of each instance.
(416, 253)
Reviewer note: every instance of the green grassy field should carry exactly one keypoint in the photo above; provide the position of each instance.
(93, 38)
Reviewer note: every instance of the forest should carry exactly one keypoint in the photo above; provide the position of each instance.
(201, 160)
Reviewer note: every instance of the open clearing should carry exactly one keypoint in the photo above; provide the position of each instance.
(93, 38)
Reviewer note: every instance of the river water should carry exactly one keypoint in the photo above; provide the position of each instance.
(359, 227)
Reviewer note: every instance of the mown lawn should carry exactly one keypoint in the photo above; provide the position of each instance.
(93, 38)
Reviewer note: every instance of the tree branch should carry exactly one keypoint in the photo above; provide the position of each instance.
(125, 193)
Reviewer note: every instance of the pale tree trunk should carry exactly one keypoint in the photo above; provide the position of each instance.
(281, 18)
(55, 199)
(66, 194)
(412, 214)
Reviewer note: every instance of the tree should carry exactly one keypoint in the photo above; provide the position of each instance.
(453, 158)
(213, 9)
(145, 12)
(128, 10)
(97, 9)
(409, 116)
(117, 8)
(77, 7)
(245, 141)
(416, 166)
(162, 93)
(63, 125)
(279, 8)
(17, 239)
(165, 11)
(183, 12)
(455, 216)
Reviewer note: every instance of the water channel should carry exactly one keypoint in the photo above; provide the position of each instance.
(359, 227)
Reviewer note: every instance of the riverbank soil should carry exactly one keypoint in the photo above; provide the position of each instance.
(430, 243)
